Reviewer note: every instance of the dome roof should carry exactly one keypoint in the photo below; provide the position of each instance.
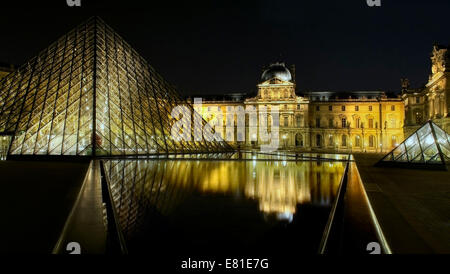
(277, 70)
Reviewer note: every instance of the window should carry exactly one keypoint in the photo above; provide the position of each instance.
(357, 141)
(370, 108)
(417, 100)
(330, 141)
(317, 108)
(358, 121)
(370, 123)
(343, 108)
(344, 122)
(394, 141)
(317, 122)
(298, 107)
(330, 123)
(356, 108)
(299, 121)
(298, 140)
(286, 121)
(318, 140)
(330, 108)
(392, 108)
(371, 141)
(344, 140)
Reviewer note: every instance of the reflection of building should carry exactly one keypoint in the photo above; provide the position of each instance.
(433, 100)
(277, 186)
(342, 121)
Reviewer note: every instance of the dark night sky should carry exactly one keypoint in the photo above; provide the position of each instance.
(216, 47)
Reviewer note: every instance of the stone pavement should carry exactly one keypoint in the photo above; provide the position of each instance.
(412, 205)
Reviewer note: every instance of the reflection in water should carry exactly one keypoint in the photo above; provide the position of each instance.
(141, 187)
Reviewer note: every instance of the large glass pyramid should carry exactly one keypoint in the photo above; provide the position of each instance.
(427, 146)
(90, 93)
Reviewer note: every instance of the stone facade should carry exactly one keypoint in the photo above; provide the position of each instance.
(318, 121)
(431, 102)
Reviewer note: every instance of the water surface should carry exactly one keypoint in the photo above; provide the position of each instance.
(223, 206)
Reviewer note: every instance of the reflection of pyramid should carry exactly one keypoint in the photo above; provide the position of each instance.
(428, 146)
(90, 93)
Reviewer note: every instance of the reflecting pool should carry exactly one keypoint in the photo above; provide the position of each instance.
(219, 206)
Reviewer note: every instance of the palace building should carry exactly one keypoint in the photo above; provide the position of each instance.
(363, 121)
(431, 102)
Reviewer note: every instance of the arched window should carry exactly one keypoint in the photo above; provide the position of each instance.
(371, 141)
(330, 141)
(344, 140)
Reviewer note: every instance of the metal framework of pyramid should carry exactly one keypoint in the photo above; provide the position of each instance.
(429, 146)
(90, 93)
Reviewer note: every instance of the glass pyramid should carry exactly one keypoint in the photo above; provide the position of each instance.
(91, 93)
(429, 145)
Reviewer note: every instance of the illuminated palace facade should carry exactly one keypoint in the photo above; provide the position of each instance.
(361, 121)
(365, 121)
(431, 102)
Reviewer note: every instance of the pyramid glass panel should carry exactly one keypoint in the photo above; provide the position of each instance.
(429, 145)
(91, 93)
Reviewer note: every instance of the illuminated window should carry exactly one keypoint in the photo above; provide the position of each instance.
(330, 141)
(344, 122)
(344, 140)
(370, 123)
(371, 141)
(357, 141)
(394, 141)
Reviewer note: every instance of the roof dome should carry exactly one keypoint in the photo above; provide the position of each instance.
(277, 70)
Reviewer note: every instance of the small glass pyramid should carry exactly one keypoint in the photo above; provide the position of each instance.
(427, 146)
